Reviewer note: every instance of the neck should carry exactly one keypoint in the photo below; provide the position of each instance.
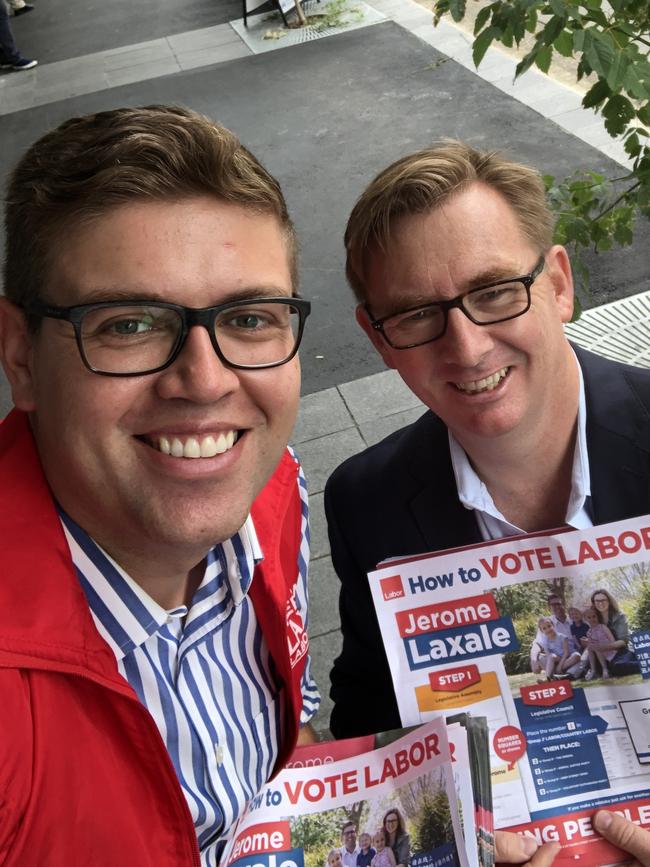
(170, 578)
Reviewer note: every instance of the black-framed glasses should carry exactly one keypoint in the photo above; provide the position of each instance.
(483, 305)
(118, 338)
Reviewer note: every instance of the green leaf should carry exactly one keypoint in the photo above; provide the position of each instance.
(596, 15)
(481, 19)
(618, 112)
(558, 6)
(579, 40)
(581, 277)
(643, 114)
(563, 43)
(596, 94)
(621, 39)
(618, 70)
(552, 29)
(599, 52)
(531, 21)
(482, 43)
(543, 59)
(526, 62)
(632, 145)
(623, 225)
(457, 9)
(577, 309)
(583, 69)
(636, 81)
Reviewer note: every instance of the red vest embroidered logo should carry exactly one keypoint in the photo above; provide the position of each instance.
(297, 638)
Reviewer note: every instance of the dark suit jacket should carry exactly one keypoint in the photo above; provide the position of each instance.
(399, 498)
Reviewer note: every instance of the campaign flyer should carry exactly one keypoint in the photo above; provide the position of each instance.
(400, 797)
(548, 636)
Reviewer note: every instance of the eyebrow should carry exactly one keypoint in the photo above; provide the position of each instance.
(99, 296)
(483, 278)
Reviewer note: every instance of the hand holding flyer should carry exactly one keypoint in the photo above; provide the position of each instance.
(548, 636)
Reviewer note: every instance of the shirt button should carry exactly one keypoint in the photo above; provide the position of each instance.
(218, 754)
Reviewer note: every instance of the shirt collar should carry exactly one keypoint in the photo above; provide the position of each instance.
(473, 492)
(126, 616)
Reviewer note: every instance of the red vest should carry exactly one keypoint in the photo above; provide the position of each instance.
(85, 778)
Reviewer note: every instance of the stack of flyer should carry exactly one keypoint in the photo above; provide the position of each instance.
(426, 778)
(548, 637)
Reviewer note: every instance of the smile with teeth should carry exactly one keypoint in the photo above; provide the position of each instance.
(197, 446)
(486, 384)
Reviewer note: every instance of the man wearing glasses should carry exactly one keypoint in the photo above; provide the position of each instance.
(153, 649)
(461, 290)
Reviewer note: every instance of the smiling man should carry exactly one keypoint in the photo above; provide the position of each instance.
(153, 650)
(461, 290)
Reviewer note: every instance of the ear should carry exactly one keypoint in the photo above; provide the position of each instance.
(16, 345)
(559, 270)
(374, 336)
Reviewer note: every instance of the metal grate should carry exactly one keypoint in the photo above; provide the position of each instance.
(266, 32)
(620, 330)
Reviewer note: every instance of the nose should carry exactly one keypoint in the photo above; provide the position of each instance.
(464, 343)
(197, 374)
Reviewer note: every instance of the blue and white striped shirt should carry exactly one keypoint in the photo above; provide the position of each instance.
(205, 674)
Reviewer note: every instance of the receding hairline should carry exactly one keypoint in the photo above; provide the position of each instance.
(424, 181)
(380, 244)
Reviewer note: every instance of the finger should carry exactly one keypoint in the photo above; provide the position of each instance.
(513, 848)
(624, 834)
(544, 856)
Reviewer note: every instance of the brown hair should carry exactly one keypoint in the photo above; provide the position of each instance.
(425, 180)
(401, 829)
(88, 165)
(613, 607)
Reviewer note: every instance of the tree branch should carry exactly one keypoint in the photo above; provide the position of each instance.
(616, 201)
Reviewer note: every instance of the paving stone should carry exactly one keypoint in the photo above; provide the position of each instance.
(579, 121)
(222, 34)
(71, 86)
(156, 51)
(412, 16)
(387, 6)
(142, 72)
(217, 54)
(594, 134)
(616, 151)
(540, 88)
(320, 546)
(373, 396)
(60, 29)
(324, 587)
(11, 102)
(524, 86)
(463, 55)
(324, 649)
(321, 413)
(494, 59)
(321, 457)
(557, 103)
(375, 431)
